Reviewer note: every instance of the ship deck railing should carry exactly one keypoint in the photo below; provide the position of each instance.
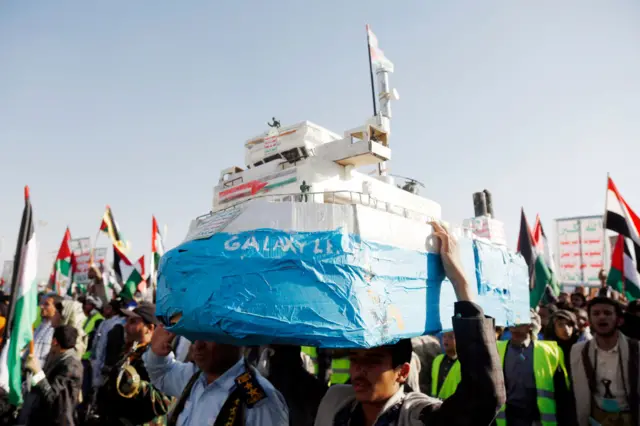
(343, 197)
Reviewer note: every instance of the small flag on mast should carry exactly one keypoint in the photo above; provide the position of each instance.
(377, 55)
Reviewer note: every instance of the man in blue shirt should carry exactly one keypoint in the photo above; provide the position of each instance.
(219, 388)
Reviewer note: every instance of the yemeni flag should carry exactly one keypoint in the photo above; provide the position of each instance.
(63, 271)
(623, 275)
(621, 219)
(539, 275)
(542, 248)
(23, 307)
(157, 250)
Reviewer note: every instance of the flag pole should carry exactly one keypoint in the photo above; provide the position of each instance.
(373, 89)
(15, 275)
(605, 257)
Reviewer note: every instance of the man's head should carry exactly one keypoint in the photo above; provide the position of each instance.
(112, 308)
(94, 272)
(90, 304)
(545, 313)
(521, 333)
(564, 323)
(582, 319)
(563, 297)
(602, 276)
(48, 306)
(378, 373)
(605, 316)
(578, 300)
(215, 358)
(449, 343)
(64, 338)
(633, 308)
(141, 321)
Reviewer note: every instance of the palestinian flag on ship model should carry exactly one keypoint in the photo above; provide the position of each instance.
(110, 227)
(623, 275)
(23, 307)
(157, 250)
(539, 274)
(619, 218)
(132, 274)
(263, 184)
(62, 266)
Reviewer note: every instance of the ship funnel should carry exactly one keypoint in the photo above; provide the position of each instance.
(488, 198)
(480, 204)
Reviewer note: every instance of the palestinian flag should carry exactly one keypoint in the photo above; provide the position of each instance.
(621, 219)
(62, 270)
(23, 307)
(539, 275)
(623, 275)
(132, 275)
(542, 247)
(157, 250)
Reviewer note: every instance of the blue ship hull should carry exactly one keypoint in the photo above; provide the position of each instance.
(327, 289)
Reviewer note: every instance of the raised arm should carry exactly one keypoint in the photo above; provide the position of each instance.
(481, 391)
(167, 374)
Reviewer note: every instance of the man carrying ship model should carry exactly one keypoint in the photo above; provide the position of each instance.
(376, 396)
(222, 389)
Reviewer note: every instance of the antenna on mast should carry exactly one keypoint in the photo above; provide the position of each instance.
(383, 67)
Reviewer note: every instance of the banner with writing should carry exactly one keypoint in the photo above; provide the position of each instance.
(580, 249)
(81, 248)
(568, 251)
(592, 249)
(5, 278)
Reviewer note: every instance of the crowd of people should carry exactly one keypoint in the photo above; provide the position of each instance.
(574, 362)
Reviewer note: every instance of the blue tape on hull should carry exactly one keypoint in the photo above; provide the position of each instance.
(328, 289)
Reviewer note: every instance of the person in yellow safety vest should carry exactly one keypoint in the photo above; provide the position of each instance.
(91, 308)
(313, 354)
(340, 371)
(536, 380)
(445, 370)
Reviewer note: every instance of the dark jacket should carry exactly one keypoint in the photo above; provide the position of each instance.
(147, 404)
(115, 344)
(478, 397)
(57, 394)
(301, 390)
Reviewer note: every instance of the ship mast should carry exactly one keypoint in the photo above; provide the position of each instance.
(383, 67)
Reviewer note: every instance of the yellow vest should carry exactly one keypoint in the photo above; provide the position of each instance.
(313, 354)
(89, 325)
(450, 383)
(547, 358)
(339, 371)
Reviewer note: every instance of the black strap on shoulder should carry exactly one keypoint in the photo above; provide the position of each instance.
(232, 412)
(588, 368)
(173, 419)
(634, 372)
(246, 394)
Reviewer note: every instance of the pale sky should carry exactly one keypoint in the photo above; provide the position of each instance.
(140, 104)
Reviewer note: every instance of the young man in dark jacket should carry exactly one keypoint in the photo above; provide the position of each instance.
(57, 385)
(128, 397)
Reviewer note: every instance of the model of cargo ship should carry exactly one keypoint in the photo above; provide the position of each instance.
(304, 245)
